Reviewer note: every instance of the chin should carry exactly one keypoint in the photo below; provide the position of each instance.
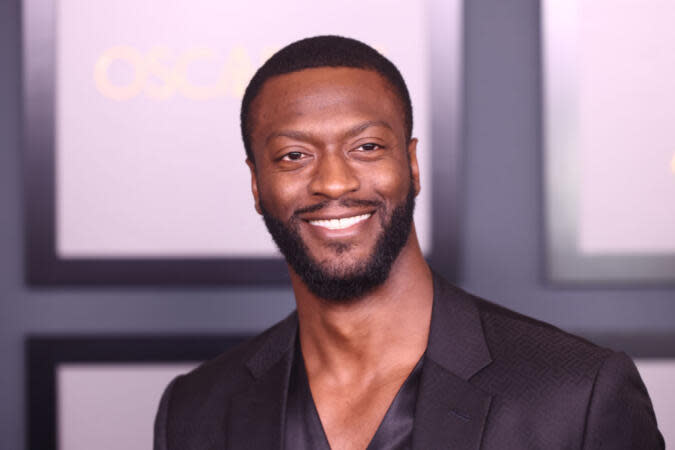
(344, 270)
(343, 284)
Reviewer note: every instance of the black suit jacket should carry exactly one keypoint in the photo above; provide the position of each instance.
(492, 379)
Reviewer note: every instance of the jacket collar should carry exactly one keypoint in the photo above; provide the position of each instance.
(456, 339)
(257, 414)
(280, 340)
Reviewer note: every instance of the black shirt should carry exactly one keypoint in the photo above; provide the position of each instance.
(303, 426)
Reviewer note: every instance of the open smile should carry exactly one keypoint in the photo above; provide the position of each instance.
(341, 223)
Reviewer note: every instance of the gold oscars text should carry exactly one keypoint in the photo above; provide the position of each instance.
(161, 73)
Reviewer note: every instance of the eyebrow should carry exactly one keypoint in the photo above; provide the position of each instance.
(308, 137)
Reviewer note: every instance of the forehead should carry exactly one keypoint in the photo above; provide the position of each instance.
(324, 95)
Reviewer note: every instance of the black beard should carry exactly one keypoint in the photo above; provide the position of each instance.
(355, 283)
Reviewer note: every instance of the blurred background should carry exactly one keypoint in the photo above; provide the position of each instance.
(502, 199)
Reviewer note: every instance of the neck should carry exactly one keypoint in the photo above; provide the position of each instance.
(385, 330)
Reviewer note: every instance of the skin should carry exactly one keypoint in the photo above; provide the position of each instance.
(330, 135)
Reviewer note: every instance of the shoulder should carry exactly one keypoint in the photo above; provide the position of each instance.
(515, 342)
(518, 339)
(228, 372)
(544, 379)
(196, 402)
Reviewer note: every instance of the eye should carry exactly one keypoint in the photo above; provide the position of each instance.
(292, 156)
(369, 147)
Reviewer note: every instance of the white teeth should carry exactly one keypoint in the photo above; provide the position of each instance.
(339, 224)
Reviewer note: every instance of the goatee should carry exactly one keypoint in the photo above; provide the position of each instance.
(343, 284)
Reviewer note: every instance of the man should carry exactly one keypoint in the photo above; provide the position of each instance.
(382, 353)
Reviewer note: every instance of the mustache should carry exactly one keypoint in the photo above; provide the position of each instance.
(347, 203)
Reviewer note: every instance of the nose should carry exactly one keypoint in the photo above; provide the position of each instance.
(333, 177)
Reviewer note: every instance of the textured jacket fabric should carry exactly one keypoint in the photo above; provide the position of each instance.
(492, 379)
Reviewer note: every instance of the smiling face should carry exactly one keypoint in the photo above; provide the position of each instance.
(334, 176)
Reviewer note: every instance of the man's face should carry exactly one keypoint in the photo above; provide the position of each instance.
(334, 176)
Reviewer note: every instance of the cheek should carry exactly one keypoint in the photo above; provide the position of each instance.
(392, 182)
(279, 196)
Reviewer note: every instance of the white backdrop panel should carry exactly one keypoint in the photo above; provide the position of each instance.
(149, 159)
(110, 406)
(626, 138)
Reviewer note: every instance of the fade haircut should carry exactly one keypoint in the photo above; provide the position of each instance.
(323, 51)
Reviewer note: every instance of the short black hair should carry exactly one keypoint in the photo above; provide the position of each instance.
(323, 51)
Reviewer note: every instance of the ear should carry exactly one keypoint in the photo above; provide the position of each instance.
(414, 168)
(254, 185)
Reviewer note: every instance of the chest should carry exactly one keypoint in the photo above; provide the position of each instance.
(378, 414)
(351, 418)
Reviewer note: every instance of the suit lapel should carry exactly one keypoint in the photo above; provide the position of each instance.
(450, 411)
(257, 415)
